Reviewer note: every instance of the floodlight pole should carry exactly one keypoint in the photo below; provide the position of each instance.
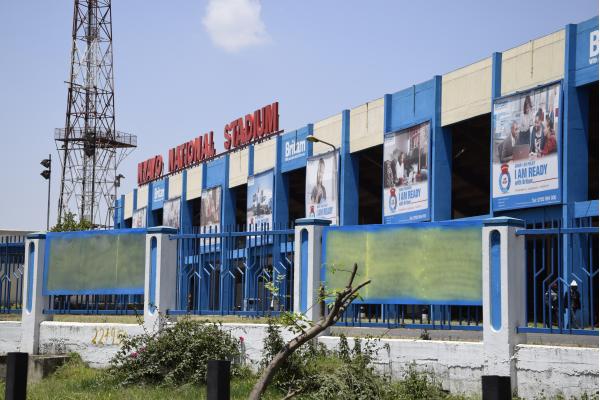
(314, 139)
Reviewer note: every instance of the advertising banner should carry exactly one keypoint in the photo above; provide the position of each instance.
(158, 194)
(260, 201)
(322, 187)
(406, 174)
(171, 209)
(433, 263)
(139, 218)
(294, 149)
(525, 145)
(210, 210)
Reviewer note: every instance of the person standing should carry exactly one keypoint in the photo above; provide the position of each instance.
(573, 302)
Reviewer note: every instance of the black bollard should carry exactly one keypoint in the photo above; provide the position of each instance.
(16, 376)
(495, 387)
(217, 380)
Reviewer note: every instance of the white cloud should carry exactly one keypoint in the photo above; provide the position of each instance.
(235, 24)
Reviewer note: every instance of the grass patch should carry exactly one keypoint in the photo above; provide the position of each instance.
(76, 381)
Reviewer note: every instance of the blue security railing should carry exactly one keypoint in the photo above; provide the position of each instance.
(12, 256)
(104, 304)
(414, 316)
(562, 274)
(243, 272)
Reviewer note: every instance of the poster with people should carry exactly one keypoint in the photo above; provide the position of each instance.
(406, 174)
(525, 144)
(259, 214)
(322, 187)
(138, 219)
(210, 210)
(171, 210)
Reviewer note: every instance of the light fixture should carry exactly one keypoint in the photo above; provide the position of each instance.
(314, 139)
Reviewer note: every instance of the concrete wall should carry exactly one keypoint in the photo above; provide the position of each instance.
(128, 208)
(534, 63)
(467, 92)
(265, 154)
(366, 125)
(238, 168)
(10, 336)
(570, 371)
(96, 343)
(142, 197)
(329, 130)
(175, 185)
(194, 182)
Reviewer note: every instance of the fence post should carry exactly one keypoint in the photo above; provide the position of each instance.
(33, 299)
(307, 265)
(160, 282)
(503, 303)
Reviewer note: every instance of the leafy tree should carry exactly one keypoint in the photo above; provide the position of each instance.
(68, 223)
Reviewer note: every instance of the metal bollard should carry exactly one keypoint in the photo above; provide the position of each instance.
(495, 387)
(16, 376)
(218, 378)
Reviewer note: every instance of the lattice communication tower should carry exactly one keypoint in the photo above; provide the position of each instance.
(89, 146)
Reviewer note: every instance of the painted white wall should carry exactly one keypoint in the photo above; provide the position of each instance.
(571, 371)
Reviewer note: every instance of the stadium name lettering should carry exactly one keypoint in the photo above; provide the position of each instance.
(240, 132)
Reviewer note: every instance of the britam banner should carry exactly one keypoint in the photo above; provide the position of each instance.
(525, 149)
(406, 174)
(322, 187)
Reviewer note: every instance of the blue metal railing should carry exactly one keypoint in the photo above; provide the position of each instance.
(413, 316)
(244, 272)
(108, 304)
(562, 275)
(12, 256)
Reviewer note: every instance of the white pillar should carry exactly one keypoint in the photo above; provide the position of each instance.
(503, 295)
(33, 299)
(160, 282)
(307, 265)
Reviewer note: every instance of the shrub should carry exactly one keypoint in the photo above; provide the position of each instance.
(176, 354)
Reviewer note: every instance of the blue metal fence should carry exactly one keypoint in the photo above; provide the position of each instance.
(12, 255)
(562, 274)
(243, 272)
(413, 316)
(111, 304)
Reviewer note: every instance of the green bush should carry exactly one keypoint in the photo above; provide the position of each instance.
(177, 354)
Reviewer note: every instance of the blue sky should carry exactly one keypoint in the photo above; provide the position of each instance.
(184, 67)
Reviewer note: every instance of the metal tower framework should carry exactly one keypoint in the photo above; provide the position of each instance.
(89, 146)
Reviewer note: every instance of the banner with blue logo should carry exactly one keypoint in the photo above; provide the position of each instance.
(158, 194)
(406, 174)
(525, 149)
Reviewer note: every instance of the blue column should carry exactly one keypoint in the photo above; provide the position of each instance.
(149, 215)
(496, 92)
(185, 207)
(122, 213)
(227, 222)
(574, 162)
(348, 202)
(441, 158)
